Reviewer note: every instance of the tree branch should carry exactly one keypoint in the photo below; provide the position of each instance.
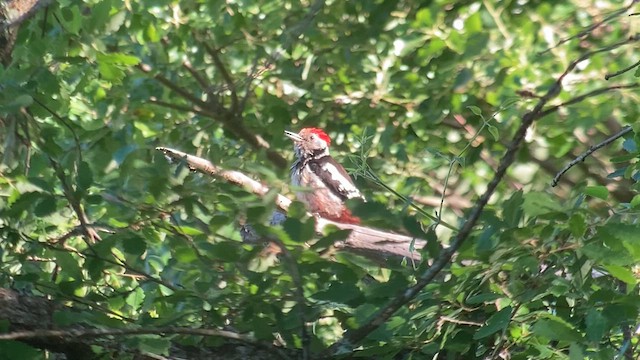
(215, 56)
(591, 150)
(23, 13)
(620, 72)
(592, 27)
(91, 236)
(171, 85)
(229, 121)
(204, 84)
(352, 337)
(375, 244)
(79, 333)
(582, 97)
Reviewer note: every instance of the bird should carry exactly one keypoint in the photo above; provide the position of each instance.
(324, 183)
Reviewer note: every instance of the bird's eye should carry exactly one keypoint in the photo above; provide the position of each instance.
(313, 136)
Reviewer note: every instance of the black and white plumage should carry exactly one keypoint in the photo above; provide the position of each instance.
(326, 185)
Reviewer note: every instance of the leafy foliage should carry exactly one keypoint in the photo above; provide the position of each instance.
(425, 96)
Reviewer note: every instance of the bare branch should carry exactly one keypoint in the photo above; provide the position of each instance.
(215, 56)
(64, 123)
(592, 27)
(91, 236)
(247, 92)
(586, 56)
(229, 121)
(171, 85)
(183, 108)
(375, 244)
(583, 97)
(591, 150)
(620, 72)
(204, 84)
(235, 177)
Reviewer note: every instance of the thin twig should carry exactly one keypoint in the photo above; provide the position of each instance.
(229, 121)
(119, 262)
(448, 319)
(196, 75)
(620, 72)
(91, 236)
(171, 85)
(247, 92)
(503, 338)
(184, 108)
(591, 150)
(586, 56)
(215, 56)
(583, 97)
(592, 27)
(66, 124)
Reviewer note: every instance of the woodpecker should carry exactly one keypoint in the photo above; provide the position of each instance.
(315, 169)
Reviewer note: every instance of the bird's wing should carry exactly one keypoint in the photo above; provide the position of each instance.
(335, 177)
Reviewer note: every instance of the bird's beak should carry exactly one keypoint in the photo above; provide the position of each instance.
(293, 136)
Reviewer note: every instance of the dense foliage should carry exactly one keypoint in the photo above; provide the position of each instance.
(421, 101)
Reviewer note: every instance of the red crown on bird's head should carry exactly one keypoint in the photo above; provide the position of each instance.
(319, 132)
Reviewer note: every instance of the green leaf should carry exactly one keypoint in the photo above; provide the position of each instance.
(189, 230)
(297, 210)
(635, 201)
(496, 323)
(482, 298)
(69, 267)
(154, 344)
(596, 325)
(134, 244)
(299, 231)
(494, 132)
(46, 206)
(118, 58)
(184, 254)
(630, 145)
(553, 329)
(21, 101)
(111, 72)
(475, 110)
(10, 350)
(331, 238)
(575, 352)
(621, 273)
(538, 203)
(340, 293)
(85, 176)
(577, 225)
(72, 19)
(135, 298)
(598, 191)
(224, 251)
